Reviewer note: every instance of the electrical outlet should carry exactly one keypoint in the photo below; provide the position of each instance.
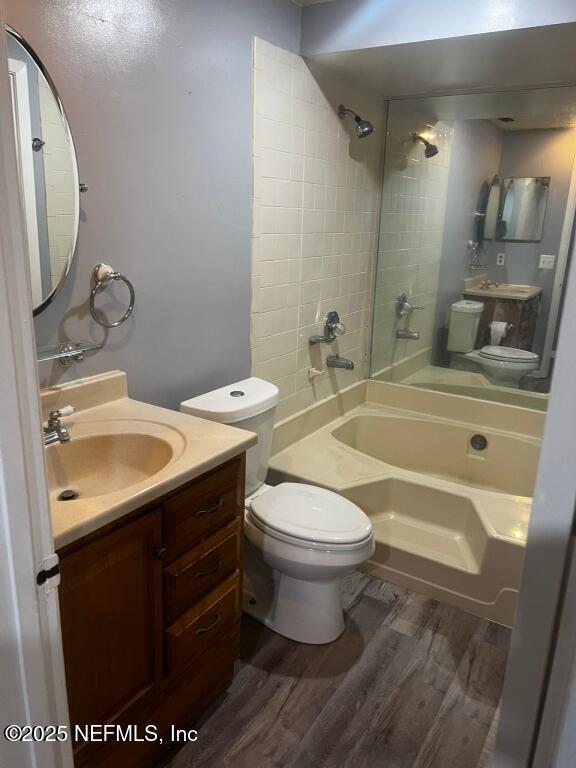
(546, 261)
(500, 259)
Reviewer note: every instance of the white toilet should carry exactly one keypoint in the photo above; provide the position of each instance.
(300, 539)
(504, 366)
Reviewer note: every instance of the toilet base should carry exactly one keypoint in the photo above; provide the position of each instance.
(307, 611)
(302, 611)
(496, 372)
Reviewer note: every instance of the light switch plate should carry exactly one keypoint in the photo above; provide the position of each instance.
(500, 259)
(546, 261)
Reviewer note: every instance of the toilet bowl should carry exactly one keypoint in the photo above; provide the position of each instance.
(504, 366)
(299, 539)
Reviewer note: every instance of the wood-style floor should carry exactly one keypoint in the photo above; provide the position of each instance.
(411, 683)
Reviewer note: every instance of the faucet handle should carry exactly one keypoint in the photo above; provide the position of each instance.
(339, 329)
(55, 416)
(333, 324)
(66, 410)
(403, 306)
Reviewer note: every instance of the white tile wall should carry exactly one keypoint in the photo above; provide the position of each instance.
(59, 180)
(315, 209)
(410, 242)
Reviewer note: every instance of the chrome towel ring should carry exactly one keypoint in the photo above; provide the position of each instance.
(102, 276)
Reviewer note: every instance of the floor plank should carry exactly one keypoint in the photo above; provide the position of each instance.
(412, 683)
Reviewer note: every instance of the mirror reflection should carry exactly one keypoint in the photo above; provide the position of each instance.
(489, 215)
(477, 242)
(522, 209)
(47, 171)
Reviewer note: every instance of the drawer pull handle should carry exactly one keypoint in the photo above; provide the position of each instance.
(202, 630)
(203, 574)
(209, 510)
(160, 554)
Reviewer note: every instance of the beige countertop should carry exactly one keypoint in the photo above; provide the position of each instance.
(510, 291)
(124, 454)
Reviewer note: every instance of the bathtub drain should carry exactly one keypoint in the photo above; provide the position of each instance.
(478, 442)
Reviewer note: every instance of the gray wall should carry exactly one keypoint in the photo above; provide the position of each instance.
(158, 95)
(474, 159)
(353, 24)
(537, 153)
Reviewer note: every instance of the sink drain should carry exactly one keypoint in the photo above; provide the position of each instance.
(68, 495)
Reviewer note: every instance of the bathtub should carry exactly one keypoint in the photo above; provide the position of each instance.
(507, 463)
(517, 397)
(450, 520)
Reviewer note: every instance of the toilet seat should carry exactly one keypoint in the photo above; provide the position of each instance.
(508, 355)
(303, 544)
(306, 515)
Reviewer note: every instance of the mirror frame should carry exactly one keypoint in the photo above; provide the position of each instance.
(34, 56)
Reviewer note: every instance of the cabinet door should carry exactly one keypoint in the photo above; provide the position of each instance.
(111, 614)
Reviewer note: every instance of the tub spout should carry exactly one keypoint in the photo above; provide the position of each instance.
(406, 333)
(335, 361)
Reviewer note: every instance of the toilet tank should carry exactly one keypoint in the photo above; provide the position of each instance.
(249, 404)
(463, 325)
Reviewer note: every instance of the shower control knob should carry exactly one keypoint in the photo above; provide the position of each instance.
(339, 329)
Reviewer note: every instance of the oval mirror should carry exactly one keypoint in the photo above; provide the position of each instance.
(47, 169)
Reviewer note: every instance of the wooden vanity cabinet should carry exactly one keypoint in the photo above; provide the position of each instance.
(522, 316)
(150, 608)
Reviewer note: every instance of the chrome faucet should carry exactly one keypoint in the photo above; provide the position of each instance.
(406, 333)
(332, 328)
(475, 249)
(335, 361)
(403, 306)
(405, 309)
(54, 432)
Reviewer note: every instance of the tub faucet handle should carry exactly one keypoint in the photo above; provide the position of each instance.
(403, 306)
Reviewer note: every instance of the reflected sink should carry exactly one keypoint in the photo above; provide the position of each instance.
(505, 291)
(99, 464)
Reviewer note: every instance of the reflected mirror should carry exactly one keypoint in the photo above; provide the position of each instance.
(522, 209)
(48, 172)
(492, 208)
(478, 238)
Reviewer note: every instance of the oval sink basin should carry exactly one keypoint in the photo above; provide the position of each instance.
(100, 464)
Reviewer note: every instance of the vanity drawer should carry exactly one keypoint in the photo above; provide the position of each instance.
(194, 632)
(195, 513)
(198, 571)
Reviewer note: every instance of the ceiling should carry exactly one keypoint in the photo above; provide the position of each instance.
(311, 2)
(524, 58)
(537, 123)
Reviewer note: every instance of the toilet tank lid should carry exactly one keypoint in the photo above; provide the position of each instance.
(233, 403)
(468, 306)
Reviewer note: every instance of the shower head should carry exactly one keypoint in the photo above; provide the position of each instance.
(363, 127)
(429, 149)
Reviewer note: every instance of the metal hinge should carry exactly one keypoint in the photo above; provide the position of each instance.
(50, 571)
